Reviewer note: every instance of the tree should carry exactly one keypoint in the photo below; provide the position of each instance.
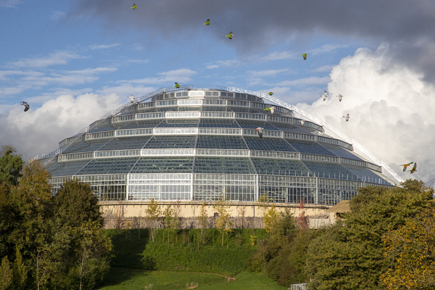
(223, 222)
(152, 214)
(302, 219)
(350, 254)
(169, 220)
(5, 274)
(203, 220)
(271, 219)
(10, 165)
(75, 204)
(411, 252)
(20, 270)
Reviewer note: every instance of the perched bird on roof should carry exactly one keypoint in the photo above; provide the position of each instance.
(339, 97)
(132, 98)
(302, 122)
(347, 117)
(406, 166)
(414, 168)
(304, 55)
(26, 106)
(271, 109)
(230, 35)
(270, 93)
(259, 131)
(207, 22)
(324, 96)
(134, 7)
(176, 85)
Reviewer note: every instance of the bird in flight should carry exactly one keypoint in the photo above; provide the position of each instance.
(230, 35)
(134, 7)
(339, 97)
(176, 85)
(259, 131)
(302, 122)
(324, 96)
(414, 168)
(271, 109)
(207, 22)
(304, 55)
(26, 106)
(347, 117)
(132, 98)
(270, 93)
(406, 166)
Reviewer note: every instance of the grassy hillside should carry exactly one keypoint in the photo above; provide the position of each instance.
(185, 250)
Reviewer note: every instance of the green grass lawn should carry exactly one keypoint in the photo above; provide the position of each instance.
(131, 279)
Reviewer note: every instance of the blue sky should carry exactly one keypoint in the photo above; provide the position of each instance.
(75, 60)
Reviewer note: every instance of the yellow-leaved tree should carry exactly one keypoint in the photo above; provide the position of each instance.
(152, 214)
(223, 222)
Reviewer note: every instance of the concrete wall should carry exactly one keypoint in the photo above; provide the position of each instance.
(243, 214)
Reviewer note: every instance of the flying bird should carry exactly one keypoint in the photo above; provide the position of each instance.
(304, 55)
(259, 131)
(302, 122)
(230, 35)
(176, 85)
(347, 117)
(339, 97)
(134, 7)
(324, 96)
(271, 109)
(132, 98)
(414, 168)
(270, 93)
(26, 106)
(207, 22)
(406, 165)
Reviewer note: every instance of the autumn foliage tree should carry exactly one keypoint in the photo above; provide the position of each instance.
(411, 252)
(223, 222)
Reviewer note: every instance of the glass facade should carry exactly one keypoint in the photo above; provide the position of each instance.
(175, 147)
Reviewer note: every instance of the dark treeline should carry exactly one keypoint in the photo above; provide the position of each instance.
(48, 242)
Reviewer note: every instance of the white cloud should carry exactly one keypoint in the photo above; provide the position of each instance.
(325, 68)
(327, 48)
(57, 15)
(223, 63)
(9, 3)
(306, 81)
(55, 58)
(268, 73)
(104, 46)
(180, 75)
(279, 56)
(390, 106)
(40, 129)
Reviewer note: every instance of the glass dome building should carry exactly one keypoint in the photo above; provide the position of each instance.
(195, 144)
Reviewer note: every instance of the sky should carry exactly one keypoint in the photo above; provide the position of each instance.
(73, 61)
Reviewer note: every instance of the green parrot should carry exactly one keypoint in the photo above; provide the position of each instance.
(414, 168)
(207, 22)
(176, 85)
(134, 7)
(230, 35)
(405, 166)
(270, 93)
(305, 56)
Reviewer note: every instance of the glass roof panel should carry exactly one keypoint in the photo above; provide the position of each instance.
(330, 170)
(67, 168)
(367, 175)
(163, 165)
(310, 147)
(125, 143)
(171, 142)
(102, 129)
(179, 123)
(342, 152)
(269, 144)
(222, 123)
(86, 146)
(280, 167)
(108, 166)
(165, 109)
(142, 124)
(215, 108)
(220, 142)
(248, 124)
(227, 165)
